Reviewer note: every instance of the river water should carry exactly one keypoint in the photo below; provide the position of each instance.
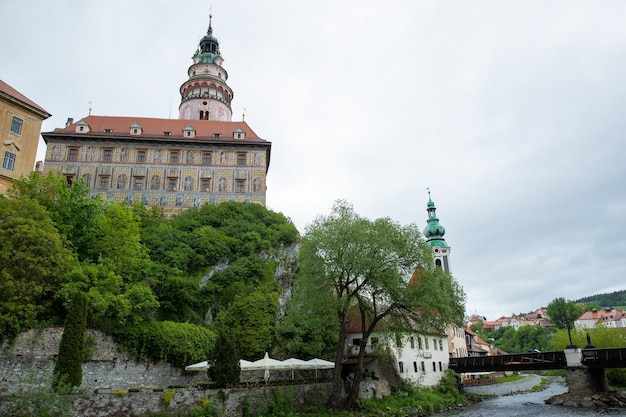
(527, 405)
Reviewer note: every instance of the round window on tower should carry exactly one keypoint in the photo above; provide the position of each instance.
(436, 250)
(204, 103)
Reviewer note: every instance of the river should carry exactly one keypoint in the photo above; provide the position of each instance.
(530, 404)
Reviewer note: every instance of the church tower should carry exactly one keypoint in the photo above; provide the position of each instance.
(434, 237)
(205, 95)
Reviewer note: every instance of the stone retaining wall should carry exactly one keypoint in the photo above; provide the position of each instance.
(114, 384)
(33, 355)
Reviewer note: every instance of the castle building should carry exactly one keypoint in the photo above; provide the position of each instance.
(20, 124)
(201, 157)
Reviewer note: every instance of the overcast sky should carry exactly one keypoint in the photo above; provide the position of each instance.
(512, 113)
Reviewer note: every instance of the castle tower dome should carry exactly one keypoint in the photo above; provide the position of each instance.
(433, 232)
(205, 95)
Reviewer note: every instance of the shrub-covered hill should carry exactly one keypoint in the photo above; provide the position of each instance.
(615, 299)
(163, 286)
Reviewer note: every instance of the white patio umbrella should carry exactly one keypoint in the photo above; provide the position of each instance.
(265, 364)
(198, 367)
(204, 365)
(316, 364)
(294, 363)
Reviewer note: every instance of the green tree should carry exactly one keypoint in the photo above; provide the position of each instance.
(115, 241)
(72, 208)
(32, 260)
(250, 322)
(223, 362)
(111, 301)
(309, 328)
(563, 312)
(367, 265)
(69, 366)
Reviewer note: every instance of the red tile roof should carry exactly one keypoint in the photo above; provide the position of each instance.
(603, 315)
(10, 91)
(119, 126)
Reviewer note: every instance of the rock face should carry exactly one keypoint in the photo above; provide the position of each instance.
(605, 400)
(286, 268)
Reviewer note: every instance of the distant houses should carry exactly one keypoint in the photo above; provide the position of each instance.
(607, 317)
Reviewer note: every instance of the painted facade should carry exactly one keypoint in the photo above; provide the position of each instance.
(20, 125)
(201, 158)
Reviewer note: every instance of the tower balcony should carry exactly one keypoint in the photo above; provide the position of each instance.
(206, 96)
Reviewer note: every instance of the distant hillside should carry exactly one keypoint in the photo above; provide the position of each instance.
(616, 298)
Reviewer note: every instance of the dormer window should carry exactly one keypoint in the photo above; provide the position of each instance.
(108, 130)
(217, 135)
(239, 134)
(167, 133)
(135, 129)
(189, 131)
(82, 126)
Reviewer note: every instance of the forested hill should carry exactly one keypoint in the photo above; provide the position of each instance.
(150, 281)
(616, 298)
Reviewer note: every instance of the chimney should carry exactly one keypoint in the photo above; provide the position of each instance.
(70, 120)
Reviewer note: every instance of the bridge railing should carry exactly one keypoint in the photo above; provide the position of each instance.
(604, 358)
(513, 362)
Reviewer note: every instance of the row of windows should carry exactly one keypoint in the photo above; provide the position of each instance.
(173, 157)
(422, 367)
(171, 184)
(8, 162)
(16, 125)
(423, 343)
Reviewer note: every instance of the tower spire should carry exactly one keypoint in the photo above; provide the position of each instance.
(434, 236)
(205, 95)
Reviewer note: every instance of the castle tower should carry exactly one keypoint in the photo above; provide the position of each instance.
(434, 237)
(205, 95)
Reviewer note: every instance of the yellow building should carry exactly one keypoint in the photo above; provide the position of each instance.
(20, 126)
(201, 157)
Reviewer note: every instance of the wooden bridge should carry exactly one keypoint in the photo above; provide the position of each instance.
(535, 361)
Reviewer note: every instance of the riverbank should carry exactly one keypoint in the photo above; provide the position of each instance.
(527, 383)
(531, 382)
(603, 400)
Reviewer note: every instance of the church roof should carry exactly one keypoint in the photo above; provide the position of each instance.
(166, 129)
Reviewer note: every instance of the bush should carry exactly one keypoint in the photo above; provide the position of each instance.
(167, 396)
(180, 344)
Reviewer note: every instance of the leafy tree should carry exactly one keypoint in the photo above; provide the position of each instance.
(72, 208)
(111, 301)
(180, 298)
(563, 312)
(366, 265)
(250, 322)
(224, 366)
(69, 367)
(32, 259)
(115, 241)
(309, 328)
(522, 339)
